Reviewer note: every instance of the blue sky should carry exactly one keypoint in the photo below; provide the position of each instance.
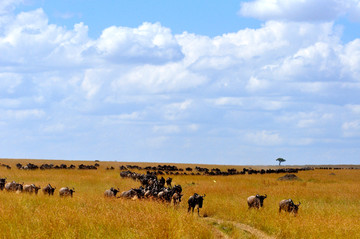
(193, 81)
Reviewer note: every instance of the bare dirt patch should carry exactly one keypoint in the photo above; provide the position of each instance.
(242, 227)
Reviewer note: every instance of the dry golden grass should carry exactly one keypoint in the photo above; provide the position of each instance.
(329, 208)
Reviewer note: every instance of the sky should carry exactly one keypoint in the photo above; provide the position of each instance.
(207, 82)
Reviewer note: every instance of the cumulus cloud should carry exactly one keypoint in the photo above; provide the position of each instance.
(285, 83)
(299, 10)
(149, 43)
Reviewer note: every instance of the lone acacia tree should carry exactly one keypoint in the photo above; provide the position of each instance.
(280, 160)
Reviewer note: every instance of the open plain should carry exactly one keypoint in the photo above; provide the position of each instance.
(329, 207)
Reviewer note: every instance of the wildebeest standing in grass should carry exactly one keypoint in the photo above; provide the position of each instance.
(195, 201)
(168, 182)
(10, 186)
(31, 188)
(289, 206)
(176, 198)
(111, 192)
(65, 191)
(128, 194)
(2, 183)
(49, 190)
(256, 201)
(14, 186)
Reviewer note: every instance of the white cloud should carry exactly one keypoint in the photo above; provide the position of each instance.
(307, 119)
(351, 128)
(7, 6)
(285, 83)
(54, 128)
(30, 42)
(149, 43)
(350, 59)
(354, 108)
(229, 101)
(252, 103)
(255, 84)
(297, 10)
(162, 78)
(9, 81)
(9, 103)
(121, 118)
(166, 129)
(264, 138)
(175, 111)
(175, 129)
(22, 114)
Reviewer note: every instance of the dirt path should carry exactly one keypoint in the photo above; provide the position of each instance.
(257, 233)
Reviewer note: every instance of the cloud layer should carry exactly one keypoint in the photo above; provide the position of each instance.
(304, 10)
(145, 94)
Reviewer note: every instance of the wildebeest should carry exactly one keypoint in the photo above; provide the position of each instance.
(289, 206)
(168, 181)
(49, 190)
(256, 201)
(176, 198)
(111, 192)
(14, 186)
(2, 183)
(128, 194)
(195, 201)
(31, 188)
(65, 191)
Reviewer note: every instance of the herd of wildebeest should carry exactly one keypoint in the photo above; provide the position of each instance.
(151, 186)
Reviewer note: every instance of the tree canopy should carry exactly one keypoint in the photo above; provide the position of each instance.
(280, 160)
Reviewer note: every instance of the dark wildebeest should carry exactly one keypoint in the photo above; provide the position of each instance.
(289, 206)
(256, 201)
(162, 182)
(31, 188)
(168, 182)
(64, 192)
(49, 190)
(2, 183)
(195, 201)
(111, 192)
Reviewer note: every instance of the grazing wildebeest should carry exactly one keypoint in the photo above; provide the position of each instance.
(289, 206)
(256, 201)
(49, 190)
(111, 192)
(64, 192)
(195, 201)
(31, 188)
(2, 183)
(176, 198)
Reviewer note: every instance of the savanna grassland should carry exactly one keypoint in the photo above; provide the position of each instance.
(330, 205)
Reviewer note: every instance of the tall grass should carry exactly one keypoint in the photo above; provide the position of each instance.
(329, 207)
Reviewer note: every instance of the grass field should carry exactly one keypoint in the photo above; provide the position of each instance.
(330, 205)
